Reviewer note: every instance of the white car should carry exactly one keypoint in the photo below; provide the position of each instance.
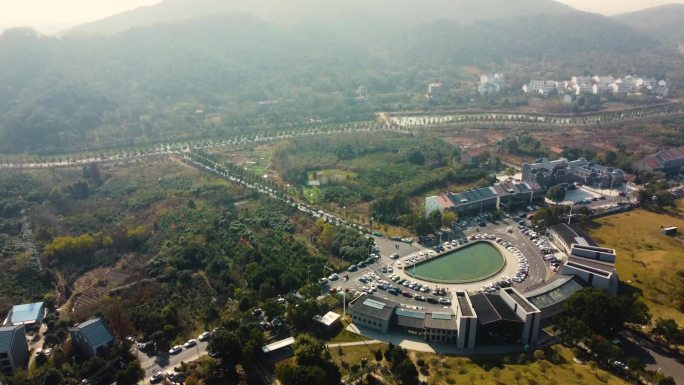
(175, 350)
(190, 343)
(157, 376)
(204, 336)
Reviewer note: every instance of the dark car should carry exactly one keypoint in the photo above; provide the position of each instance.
(431, 299)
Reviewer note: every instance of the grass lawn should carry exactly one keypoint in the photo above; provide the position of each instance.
(648, 260)
(558, 367)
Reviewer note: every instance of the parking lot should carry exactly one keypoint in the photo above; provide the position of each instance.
(377, 276)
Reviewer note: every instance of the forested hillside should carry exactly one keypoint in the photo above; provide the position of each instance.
(665, 22)
(207, 76)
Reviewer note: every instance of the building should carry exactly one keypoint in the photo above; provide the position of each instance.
(670, 231)
(14, 352)
(667, 161)
(328, 321)
(372, 312)
(28, 315)
(549, 299)
(594, 273)
(466, 321)
(595, 266)
(502, 195)
(550, 172)
(491, 83)
(506, 318)
(91, 338)
(480, 319)
(440, 203)
(434, 90)
(565, 235)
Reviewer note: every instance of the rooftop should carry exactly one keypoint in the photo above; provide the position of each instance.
(374, 307)
(6, 337)
(440, 320)
(492, 308)
(555, 292)
(327, 319)
(277, 345)
(463, 304)
(96, 332)
(573, 234)
(27, 313)
(671, 154)
(522, 302)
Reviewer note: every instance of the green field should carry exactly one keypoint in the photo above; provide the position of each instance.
(471, 263)
(648, 261)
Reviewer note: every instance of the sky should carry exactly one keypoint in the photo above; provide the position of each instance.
(50, 16)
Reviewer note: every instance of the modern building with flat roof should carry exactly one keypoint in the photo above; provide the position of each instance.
(329, 320)
(372, 312)
(28, 315)
(14, 350)
(466, 319)
(480, 319)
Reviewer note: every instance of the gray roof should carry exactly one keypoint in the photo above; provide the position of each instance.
(96, 332)
(6, 337)
(492, 308)
(572, 234)
(477, 195)
(439, 320)
(374, 307)
(410, 318)
(554, 292)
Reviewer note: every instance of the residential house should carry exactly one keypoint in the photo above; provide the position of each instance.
(92, 338)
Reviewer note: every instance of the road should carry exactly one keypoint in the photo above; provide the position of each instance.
(166, 363)
(653, 356)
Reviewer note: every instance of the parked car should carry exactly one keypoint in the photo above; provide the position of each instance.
(175, 350)
(190, 343)
(156, 377)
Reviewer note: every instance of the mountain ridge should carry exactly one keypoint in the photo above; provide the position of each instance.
(664, 22)
(295, 11)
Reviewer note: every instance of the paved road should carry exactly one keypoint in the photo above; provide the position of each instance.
(653, 356)
(166, 363)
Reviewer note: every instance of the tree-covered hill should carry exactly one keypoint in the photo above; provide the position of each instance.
(665, 22)
(84, 92)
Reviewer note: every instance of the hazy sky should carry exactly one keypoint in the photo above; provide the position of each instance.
(54, 15)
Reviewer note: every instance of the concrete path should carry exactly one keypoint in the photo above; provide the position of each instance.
(355, 343)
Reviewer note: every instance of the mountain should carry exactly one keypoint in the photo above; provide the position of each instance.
(665, 22)
(144, 83)
(296, 11)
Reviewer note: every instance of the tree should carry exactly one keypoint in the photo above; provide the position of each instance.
(405, 372)
(448, 218)
(556, 193)
(131, 374)
(538, 355)
(435, 220)
(668, 330)
(227, 346)
(416, 157)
